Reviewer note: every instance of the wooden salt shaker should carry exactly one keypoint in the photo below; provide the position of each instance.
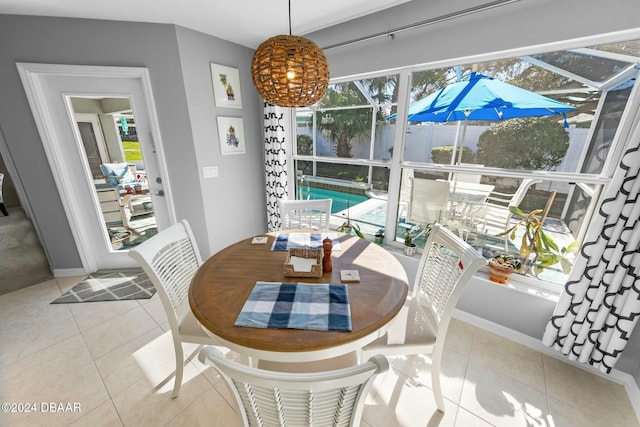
(327, 246)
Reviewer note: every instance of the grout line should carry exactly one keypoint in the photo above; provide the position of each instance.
(104, 385)
(616, 376)
(546, 386)
(530, 342)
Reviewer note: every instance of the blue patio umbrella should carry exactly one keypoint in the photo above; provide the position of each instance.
(479, 97)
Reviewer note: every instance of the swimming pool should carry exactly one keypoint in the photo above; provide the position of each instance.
(339, 199)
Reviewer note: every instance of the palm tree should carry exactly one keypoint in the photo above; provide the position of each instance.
(342, 121)
(341, 125)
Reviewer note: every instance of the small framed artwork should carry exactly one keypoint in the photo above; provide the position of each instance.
(231, 132)
(226, 86)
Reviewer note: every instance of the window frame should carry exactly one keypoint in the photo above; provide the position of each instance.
(397, 164)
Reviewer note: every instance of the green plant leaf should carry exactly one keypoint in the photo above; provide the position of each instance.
(549, 242)
(573, 247)
(516, 211)
(524, 248)
(548, 260)
(566, 265)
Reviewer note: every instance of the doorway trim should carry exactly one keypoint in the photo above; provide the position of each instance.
(32, 75)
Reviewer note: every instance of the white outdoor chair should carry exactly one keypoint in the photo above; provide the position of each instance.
(429, 201)
(314, 214)
(115, 208)
(472, 178)
(170, 259)
(494, 216)
(446, 266)
(267, 398)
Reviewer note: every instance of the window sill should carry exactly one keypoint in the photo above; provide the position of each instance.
(527, 285)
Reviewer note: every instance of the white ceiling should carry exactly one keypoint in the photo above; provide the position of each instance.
(246, 22)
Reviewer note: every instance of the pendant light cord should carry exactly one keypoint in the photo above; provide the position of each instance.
(289, 17)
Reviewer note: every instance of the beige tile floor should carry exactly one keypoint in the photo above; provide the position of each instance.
(115, 361)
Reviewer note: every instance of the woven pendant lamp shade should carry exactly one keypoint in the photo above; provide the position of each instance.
(290, 71)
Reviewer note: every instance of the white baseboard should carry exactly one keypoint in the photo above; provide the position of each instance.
(68, 272)
(627, 380)
(633, 391)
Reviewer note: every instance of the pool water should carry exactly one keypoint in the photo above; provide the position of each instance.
(339, 199)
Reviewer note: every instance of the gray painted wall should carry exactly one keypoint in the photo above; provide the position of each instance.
(510, 27)
(83, 42)
(178, 62)
(235, 201)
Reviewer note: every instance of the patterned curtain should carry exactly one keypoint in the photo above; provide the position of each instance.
(601, 301)
(275, 155)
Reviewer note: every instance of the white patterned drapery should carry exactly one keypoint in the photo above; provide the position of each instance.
(600, 305)
(275, 155)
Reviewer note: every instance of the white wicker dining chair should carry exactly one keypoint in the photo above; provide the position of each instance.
(314, 214)
(267, 398)
(170, 259)
(446, 265)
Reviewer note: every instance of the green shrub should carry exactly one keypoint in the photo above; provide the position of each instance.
(443, 154)
(528, 143)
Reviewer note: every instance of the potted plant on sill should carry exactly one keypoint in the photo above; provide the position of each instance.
(349, 227)
(502, 266)
(378, 238)
(537, 249)
(409, 246)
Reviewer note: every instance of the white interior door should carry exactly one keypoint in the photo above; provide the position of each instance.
(50, 89)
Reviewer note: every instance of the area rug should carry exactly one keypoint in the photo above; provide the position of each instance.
(110, 285)
(140, 229)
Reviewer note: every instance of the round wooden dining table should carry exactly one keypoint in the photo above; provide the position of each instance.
(223, 283)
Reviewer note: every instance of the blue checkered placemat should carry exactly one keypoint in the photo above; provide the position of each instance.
(286, 241)
(320, 307)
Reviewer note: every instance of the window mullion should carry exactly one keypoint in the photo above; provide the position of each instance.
(315, 134)
(372, 143)
(547, 175)
(395, 175)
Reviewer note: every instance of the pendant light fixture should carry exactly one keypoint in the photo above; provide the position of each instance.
(290, 71)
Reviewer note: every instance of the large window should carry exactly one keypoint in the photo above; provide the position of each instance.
(388, 170)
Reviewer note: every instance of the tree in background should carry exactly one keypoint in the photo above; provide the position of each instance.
(305, 145)
(527, 143)
(384, 90)
(344, 124)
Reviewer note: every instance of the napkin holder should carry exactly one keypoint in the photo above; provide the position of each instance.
(316, 269)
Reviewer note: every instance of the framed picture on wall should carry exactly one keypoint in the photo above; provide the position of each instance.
(226, 86)
(231, 133)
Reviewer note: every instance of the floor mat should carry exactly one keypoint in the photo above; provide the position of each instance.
(140, 229)
(110, 285)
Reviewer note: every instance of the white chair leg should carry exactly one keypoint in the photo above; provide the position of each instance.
(179, 369)
(436, 361)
